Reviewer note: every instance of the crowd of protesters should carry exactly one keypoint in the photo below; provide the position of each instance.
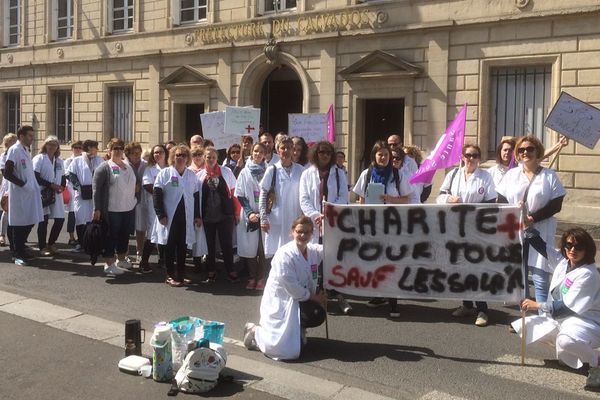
(180, 201)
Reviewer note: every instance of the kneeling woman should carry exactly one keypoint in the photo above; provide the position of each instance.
(573, 304)
(290, 303)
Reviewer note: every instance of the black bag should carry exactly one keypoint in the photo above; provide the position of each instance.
(94, 239)
(48, 196)
(252, 226)
(86, 192)
(271, 198)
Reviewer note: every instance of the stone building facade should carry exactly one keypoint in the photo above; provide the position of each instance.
(146, 69)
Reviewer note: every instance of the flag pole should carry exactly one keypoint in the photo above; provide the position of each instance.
(321, 278)
(525, 262)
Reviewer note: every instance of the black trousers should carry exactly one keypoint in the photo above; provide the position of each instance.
(18, 238)
(80, 233)
(71, 222)
(176, 245)
(311, 314)
(224, 229)
(42, 231)
(480, 306)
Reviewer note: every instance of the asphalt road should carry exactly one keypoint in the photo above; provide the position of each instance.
(425, 353)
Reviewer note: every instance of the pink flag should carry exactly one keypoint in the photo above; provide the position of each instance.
(447, 152)
(330, 125)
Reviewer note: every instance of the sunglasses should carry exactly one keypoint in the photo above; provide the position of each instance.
(472, 155)
(397, 158)
(180, 155)
(529, 149)
(117, 148)
(573, 246)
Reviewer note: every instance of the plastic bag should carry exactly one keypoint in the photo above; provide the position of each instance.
(183, 331)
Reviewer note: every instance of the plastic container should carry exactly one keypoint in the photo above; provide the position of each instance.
(214, 331)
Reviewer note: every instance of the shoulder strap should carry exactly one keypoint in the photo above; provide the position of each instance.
(537, 172)
(368, 178)
(273, 177)
(337, 181)
(396, 173)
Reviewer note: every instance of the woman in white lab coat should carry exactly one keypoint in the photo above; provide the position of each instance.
(50, 173)
(504, 160)
(540, 194)
(572, 309)
(284, 178)
(469, 184)
(156, 162)
(176, 200)
(247, 191)
(290, 302)
(80, 174)
(7, 141)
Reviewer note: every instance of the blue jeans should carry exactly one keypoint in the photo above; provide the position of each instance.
(118, 232)
(541, 283)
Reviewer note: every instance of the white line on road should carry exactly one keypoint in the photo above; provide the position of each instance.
(278, 381)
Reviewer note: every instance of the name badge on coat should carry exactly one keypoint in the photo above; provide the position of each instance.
(116, 170)
(314, 269)
(23, 163)
(174, 181)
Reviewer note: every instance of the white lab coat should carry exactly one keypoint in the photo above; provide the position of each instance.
(25, 203)
(274, 160)
(545, 187)
(247, 242)
(84, 209)
(69, 207)
(53, 173)
(292, 279)
(497, 172)
(310, 197)
(406, 188)
(477, 189)
(580, 292)
(174, 187)
(286, 208)
(150, 174)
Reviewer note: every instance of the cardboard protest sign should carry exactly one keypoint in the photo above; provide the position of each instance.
(242, 121)
(576, 120)
(213, 128)
(460, 252)
(311, 127)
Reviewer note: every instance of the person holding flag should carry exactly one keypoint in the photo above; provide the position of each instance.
(469, 184)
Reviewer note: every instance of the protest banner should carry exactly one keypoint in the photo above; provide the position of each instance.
(242, 121)
(213, 128)
(576, 120)
(460, 251)
(311, 127)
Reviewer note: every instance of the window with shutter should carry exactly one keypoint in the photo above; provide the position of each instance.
(122, 15)
(191, 11)
(122, 112)
(63, 19)
(12, 22)
(13, 111)
(63, 115)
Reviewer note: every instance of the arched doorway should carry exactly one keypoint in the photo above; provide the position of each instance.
(281, 95)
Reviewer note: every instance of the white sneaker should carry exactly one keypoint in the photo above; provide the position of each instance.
(113, 270)
(482, 319)
(249, 341)
(125, 264)
(463, 311)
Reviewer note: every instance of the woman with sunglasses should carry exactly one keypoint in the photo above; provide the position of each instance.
(114, 187)
(538, 191)
(323, 180)
(571, 311)
(76, 150)
(469, 184)
(220, 213)
(290, 303)
(176, 200)
(156, 162)
(234, 160)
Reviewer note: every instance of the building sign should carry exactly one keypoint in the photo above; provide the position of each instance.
(285, 27)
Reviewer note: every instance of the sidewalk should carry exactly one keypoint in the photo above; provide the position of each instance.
(41, 362)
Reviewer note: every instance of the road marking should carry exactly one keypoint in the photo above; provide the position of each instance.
(278, 381)
(535, 373)
(435, 395)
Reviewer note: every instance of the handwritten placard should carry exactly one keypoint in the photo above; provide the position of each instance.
(461, 252)
(242, 121)
(311, 127)
(576, 120)
(213, 128)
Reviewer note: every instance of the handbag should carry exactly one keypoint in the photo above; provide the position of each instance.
(86, 192)
(48, 196)
(271, 198)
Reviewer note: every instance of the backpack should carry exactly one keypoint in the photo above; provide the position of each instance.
(200, 370)
(94, 239)
(368, 180)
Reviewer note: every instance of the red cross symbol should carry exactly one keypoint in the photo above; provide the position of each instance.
(249, 128)
(511, 225)
(330, 214)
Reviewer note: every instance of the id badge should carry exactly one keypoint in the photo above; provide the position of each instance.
(23, 164)
(174, 181)
(116, 170)
(314, 269)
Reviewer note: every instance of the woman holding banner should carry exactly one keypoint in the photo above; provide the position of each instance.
(469, 184)
(572, 310)
(323, 180)
(390, 186)
(540, 194)
(290, 303)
